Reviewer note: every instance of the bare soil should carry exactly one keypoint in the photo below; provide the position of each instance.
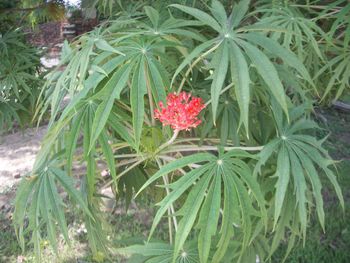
(17, 155)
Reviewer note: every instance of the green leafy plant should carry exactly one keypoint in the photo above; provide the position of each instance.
(19, 79)
(335, 71)
(14, 14)
(239, 167)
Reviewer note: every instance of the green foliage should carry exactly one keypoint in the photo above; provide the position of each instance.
(14, 14)
(19, 79)
(336, 70)
(251, 65)
(330, 245)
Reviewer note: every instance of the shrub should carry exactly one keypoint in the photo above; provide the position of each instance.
(234, 185)
(19, 79)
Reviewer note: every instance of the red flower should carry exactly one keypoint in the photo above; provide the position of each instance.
(180, 112)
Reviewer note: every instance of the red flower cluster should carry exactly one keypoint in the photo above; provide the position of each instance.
(180, 112)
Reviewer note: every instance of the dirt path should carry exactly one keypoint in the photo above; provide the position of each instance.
(17, 155)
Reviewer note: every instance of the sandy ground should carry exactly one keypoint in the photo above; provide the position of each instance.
(17, 155)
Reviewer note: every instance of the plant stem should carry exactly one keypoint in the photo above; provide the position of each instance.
(127, 155)
(222, 91)
(190, 148)
(172, 139)
(316, 7)
(171, 210)
(168, 158)
(125, 171)
(195, 63)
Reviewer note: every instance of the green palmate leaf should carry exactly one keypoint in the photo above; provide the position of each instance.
(90, 176)
(68, 185)
(189, 212)
(298, 156)
(56, 204)
(34, 222)
(158, 80)
(116, 124)
(201, 16)
(204, 200)
(338, 70)
(282, 173)
(112, 91)
(332, 178)
(175, 165)
(266, 153)
(128, 184)
(300, 189)
(246, 208)
(240, 77)
(103, 45)
(208, 219)
(227, 230)
(179, 187)
(195, 52)
(156, 252)
(153, 15)
(274, 48)
(267, 71)
(96, 235)
(45, 208)
(25, 190)
(89, 152)
(116, 83)
(137, 93)
(314, 153)
(244, 171)
(315, 182)
(218, 11)
(148, 249)
(101, 115)
(238, 12)
(310, 34)
(72, 137)
(288, 211)
(108, 154)
(99, 70)
(220, 63)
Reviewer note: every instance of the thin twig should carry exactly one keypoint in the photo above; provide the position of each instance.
(172, 139)
(221, 92)
(171, 210)
(168, 158)
(124, 172)
(195, 63)
(190, 148)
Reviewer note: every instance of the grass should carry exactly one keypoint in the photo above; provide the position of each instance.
(329, 247)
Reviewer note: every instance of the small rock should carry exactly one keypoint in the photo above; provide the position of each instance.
(104, 173)
(17, 175)
(21, 259)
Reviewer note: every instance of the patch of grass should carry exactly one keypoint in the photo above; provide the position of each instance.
(8, 243)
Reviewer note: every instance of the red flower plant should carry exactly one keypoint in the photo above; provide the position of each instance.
(180, 112)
